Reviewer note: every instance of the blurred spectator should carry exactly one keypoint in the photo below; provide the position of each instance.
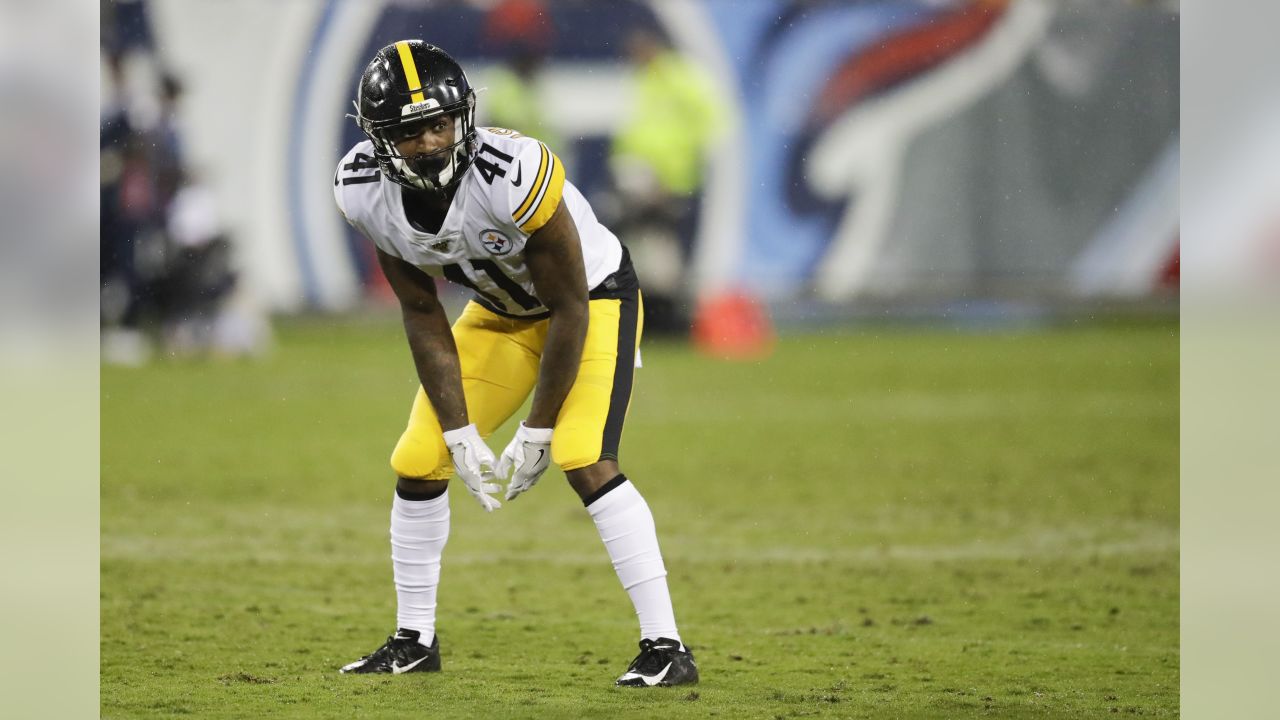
(166, 263)
(115, 232)
(521, 31)
(197, 274)
(514, 98)
(657, 162)
(126, 27)
(166, 138)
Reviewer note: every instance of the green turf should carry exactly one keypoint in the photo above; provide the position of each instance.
(877, 523)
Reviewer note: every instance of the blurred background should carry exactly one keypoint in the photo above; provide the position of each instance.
(978, 164)
(773, 162)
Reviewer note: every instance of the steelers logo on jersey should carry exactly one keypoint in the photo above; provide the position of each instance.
(495, 242)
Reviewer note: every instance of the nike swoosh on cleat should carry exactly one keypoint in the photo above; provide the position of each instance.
(651, 681)
(519, 174)
(397, 669)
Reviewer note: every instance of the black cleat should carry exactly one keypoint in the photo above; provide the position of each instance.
(663, 662)
(402, 653)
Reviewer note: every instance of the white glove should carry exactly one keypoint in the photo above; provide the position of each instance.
(529, 454)
(474, 462)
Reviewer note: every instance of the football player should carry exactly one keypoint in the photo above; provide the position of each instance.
(556, 311)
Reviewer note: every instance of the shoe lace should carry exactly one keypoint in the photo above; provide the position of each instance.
(381, 652)
(652, 658)
(393, 649)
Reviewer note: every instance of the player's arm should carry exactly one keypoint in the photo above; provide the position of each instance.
(430, 339)
(436, 357)
(553, 254)
(554, 257)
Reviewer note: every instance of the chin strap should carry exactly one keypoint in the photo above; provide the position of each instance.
(460, 127)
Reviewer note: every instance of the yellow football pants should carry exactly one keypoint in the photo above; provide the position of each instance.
(499, 358)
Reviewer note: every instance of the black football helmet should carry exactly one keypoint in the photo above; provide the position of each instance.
(407, 83)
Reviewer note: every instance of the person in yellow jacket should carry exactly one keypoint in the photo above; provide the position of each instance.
(515, 97)
(658, 162)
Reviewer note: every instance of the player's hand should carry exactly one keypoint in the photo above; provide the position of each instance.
(528, 455)
(474, 462)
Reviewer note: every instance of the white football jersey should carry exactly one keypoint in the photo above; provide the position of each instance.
(511, 189)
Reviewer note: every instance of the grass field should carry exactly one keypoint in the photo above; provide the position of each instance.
(877, 523)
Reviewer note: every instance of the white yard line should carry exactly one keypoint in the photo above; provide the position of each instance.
(1046, 545)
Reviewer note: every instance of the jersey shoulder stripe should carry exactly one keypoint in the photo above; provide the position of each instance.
(544, 195)
(538, 179)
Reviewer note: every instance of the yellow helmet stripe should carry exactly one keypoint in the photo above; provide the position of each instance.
(410, 71)
(534, 187)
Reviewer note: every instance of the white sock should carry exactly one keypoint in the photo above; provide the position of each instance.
(625, 524)
(419, 530)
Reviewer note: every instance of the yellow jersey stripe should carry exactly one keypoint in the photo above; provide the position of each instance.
(410, 71)
(550, 200)
(534, 186)
(537, 191)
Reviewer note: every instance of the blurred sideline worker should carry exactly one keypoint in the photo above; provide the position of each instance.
(556, 312)
(514, 98)
(521, 32)
(657, 162)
